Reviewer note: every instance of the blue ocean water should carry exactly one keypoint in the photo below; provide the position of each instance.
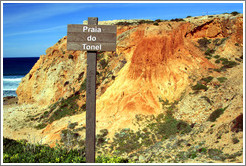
(14, 69)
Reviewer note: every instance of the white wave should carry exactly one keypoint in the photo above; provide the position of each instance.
(12, 79)
(9, 89)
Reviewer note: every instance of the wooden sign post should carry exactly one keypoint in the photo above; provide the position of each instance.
(91, 38)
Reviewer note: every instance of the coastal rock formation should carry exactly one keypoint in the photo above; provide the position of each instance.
(155, 64)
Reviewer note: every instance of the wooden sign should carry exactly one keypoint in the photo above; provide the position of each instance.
(91, 37)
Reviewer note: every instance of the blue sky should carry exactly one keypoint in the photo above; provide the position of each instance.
(30, 28)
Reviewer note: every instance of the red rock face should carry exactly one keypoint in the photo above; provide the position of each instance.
(160, 62)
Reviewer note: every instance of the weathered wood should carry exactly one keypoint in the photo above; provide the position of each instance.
(104, 28)
(89, 37)
(91, 102)
(79, 46)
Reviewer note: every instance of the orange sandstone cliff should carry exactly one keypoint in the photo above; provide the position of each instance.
(152, 62)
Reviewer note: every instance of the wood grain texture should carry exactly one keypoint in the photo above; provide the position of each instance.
(90, 147)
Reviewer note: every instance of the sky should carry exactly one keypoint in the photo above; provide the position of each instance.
(30, 28)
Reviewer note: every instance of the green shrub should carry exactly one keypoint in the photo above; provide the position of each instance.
(221, 79)
(217, 61)
(103, 63)
(204, 42)
(157, 128)
(177, 19)
(235, 140)
(236, 44)
(167, 125)
(156, 23)
(234, 13)
(72, 125)
(214, 115)
(60, 109)
(40, 126)
(223, 59)
(158, 20)
(70, 56)
(216, 56)
(23, 152)
(101, 138)
(145, 22)
(66, 107)
(199, 86)
(114, 159)
(124, 23)
(209, 51)
(218, 42)
(207, 79)
(229, 64)
(188, 17)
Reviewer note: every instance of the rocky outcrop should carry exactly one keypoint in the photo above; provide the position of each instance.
(151, 63)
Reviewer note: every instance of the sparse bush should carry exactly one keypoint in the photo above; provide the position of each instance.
(221, 79)
(72, 125)
(216, 56)
(199, 86)
(214, 115)
(217, 61)
(209, 51)
(113, 159)
(145, 22)
(70, 56)
(229, 64)
(188, 17)
(203, 43)
(156, 23)
(234, 13)
(101, 138)
(123, 23)
(215, 154)
(177, 19)
(60, 109)
(22, 152)
(103, 63)
(66, 107)
(158, 20)
(40, 126)
(207, 79)
(158, 127)
(235, 140)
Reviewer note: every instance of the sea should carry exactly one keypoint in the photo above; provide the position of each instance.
(14, 69)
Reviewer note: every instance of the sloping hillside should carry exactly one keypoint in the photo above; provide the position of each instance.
(190, 67)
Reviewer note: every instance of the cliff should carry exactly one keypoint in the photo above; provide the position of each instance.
(155, 63)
